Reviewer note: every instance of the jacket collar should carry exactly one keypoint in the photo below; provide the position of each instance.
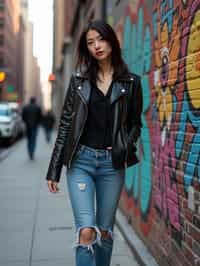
(119, 89)
(127, 78)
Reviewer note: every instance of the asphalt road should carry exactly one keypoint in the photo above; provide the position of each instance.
(6, 149)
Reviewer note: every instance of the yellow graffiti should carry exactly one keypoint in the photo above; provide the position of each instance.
(193, 62)
(166, 56)
(164, 103)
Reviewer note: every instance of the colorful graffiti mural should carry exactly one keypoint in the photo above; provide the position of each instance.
(163, 47)
(166, 50)
(137, 47)
(188, 137)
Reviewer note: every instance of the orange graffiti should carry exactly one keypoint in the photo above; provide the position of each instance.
(167, 48)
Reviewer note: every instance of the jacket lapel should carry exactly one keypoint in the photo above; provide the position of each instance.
(84, 90)
(118, 90)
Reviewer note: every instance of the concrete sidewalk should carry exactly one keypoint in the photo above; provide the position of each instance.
(36, 227)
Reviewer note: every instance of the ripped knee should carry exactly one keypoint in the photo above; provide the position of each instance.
(106, 234)
(87, 235)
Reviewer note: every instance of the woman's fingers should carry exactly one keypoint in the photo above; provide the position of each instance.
(50, 185)
(53, 186)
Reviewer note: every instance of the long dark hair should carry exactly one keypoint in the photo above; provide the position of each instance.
(88, 65)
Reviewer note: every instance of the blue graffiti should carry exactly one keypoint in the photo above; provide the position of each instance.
(127, 43)
(192, 166)
(167, 14)
(137, 53)
(155, 21)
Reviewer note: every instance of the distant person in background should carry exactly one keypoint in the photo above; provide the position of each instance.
(31, 115)
(48, 122)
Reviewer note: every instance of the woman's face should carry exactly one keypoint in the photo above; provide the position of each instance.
(99, 48)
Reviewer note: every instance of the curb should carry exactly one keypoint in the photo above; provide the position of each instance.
(5, 152)
(142, 255)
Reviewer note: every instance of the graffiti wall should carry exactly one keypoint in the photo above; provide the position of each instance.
(161, 42)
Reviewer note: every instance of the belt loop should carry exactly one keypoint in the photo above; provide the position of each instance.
(107, 154)
(108, 151)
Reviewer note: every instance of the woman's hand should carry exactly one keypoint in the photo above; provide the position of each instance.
(52, 186)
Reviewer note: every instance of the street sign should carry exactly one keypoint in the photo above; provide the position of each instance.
(52, 77)
(10, 89)
(13, 96)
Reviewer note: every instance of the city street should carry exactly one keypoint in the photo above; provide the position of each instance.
(36, 227)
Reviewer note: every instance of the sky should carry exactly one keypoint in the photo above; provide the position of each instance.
(41, 14)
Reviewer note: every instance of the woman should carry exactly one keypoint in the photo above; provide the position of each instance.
(99, 127)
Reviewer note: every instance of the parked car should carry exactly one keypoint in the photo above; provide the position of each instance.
(8, 123)
(17, 113)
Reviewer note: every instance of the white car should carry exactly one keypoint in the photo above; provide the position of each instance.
(8, 123)
(15, 107)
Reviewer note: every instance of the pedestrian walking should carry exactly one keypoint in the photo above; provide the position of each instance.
(31, 115)
(48, 121)
(96, 141)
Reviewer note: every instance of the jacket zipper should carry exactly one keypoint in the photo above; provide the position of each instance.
(69, 164)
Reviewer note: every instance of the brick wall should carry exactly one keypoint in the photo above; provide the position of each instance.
(161, 196)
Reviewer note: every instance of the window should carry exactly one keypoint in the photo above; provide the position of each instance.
(1, 59)
(1, 23)
(117, 2)
(1, 40)
(2, 5)
(1, 62)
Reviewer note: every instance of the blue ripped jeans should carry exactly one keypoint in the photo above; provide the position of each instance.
(91, 174)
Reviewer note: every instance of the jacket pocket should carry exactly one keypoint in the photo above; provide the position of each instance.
(131, 157)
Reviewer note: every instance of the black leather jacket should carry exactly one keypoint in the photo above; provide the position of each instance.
(127, 99)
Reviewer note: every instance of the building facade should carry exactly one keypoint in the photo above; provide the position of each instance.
(28, 61)
(58, 38)
(16, 52)
(9, 17)
(32, 82)
(20, 59)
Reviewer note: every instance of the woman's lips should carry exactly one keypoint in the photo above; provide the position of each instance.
(99, 53)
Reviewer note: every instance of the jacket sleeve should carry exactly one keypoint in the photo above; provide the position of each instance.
(135, 112)
(56, 162)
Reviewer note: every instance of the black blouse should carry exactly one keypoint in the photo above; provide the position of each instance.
(97, 132)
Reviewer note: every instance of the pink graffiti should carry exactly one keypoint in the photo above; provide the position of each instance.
(166, 199)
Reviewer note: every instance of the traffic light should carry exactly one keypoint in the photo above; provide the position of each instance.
(2, 76)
